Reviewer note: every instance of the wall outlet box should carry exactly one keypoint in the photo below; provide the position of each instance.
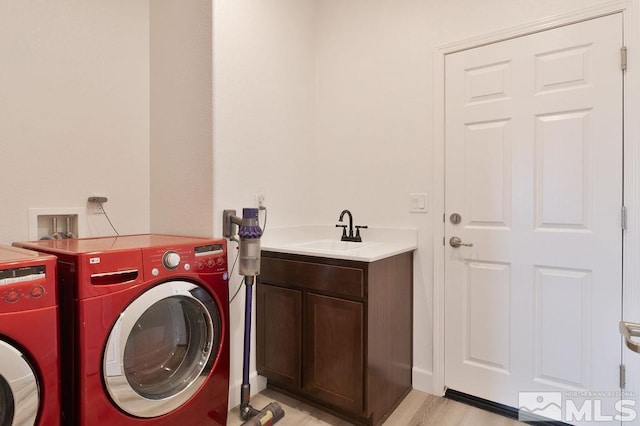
(40, 220)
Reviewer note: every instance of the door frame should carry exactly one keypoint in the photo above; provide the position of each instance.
(630, 10)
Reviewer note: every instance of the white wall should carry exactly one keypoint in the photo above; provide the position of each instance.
(181, 117)
(370, 141)
(374, 116)
(264, 103)
(74, 111)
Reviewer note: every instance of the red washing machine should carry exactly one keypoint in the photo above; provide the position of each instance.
(29, 346)
(150, 337)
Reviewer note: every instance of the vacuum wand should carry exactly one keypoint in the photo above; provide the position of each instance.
(249, 233)
(246, 410)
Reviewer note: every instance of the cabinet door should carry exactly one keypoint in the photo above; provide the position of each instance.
(333, 351)
(278, 335)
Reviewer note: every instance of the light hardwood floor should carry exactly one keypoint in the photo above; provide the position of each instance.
(417, 409)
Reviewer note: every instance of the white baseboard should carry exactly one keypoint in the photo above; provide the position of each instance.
(258, 384)
(422, 380)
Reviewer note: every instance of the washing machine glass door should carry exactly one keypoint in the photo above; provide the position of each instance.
(162, 348)
(19, 390)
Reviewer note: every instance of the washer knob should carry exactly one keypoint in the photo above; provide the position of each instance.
(12, 296)
(171, 259)
(36, 292)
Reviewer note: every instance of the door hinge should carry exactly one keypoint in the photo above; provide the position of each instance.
(443, 241)
(623, 218)
(623, 58)
(623, 376)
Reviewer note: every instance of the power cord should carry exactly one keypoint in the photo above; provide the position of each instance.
(107, 216)
(237, 291)
(231, 275)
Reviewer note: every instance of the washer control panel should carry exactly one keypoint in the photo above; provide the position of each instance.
(167, 261)
(211, 257)
(23, 288)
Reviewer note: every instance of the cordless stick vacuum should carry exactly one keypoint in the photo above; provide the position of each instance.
(249, 267)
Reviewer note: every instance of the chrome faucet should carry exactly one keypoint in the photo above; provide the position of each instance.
(350, 237)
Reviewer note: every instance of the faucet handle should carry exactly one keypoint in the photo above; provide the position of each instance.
(344, 230)
(358, 231)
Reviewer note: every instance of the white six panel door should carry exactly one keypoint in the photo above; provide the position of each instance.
(534, 168)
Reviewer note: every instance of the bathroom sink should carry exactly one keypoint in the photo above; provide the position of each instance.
(331, 245)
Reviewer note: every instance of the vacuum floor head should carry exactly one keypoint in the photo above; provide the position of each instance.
(267, 416)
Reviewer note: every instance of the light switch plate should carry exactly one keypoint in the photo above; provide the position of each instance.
(419, 202)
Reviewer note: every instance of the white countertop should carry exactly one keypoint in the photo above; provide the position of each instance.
(314, 240)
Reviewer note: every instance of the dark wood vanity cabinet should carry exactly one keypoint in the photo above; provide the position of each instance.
(337, 333)
(333, 351)
(279, 332)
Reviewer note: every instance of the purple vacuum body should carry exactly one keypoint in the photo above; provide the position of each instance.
(249, 233)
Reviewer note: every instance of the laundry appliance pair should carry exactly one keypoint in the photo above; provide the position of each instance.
(145, 329)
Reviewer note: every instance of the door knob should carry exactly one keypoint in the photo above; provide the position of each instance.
(629, 330)
(457, 242)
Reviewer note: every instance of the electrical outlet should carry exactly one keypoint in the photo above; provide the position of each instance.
(260, 197)
(95, 204)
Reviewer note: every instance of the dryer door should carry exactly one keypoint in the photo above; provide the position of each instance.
(162, 348)
(19, 390)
